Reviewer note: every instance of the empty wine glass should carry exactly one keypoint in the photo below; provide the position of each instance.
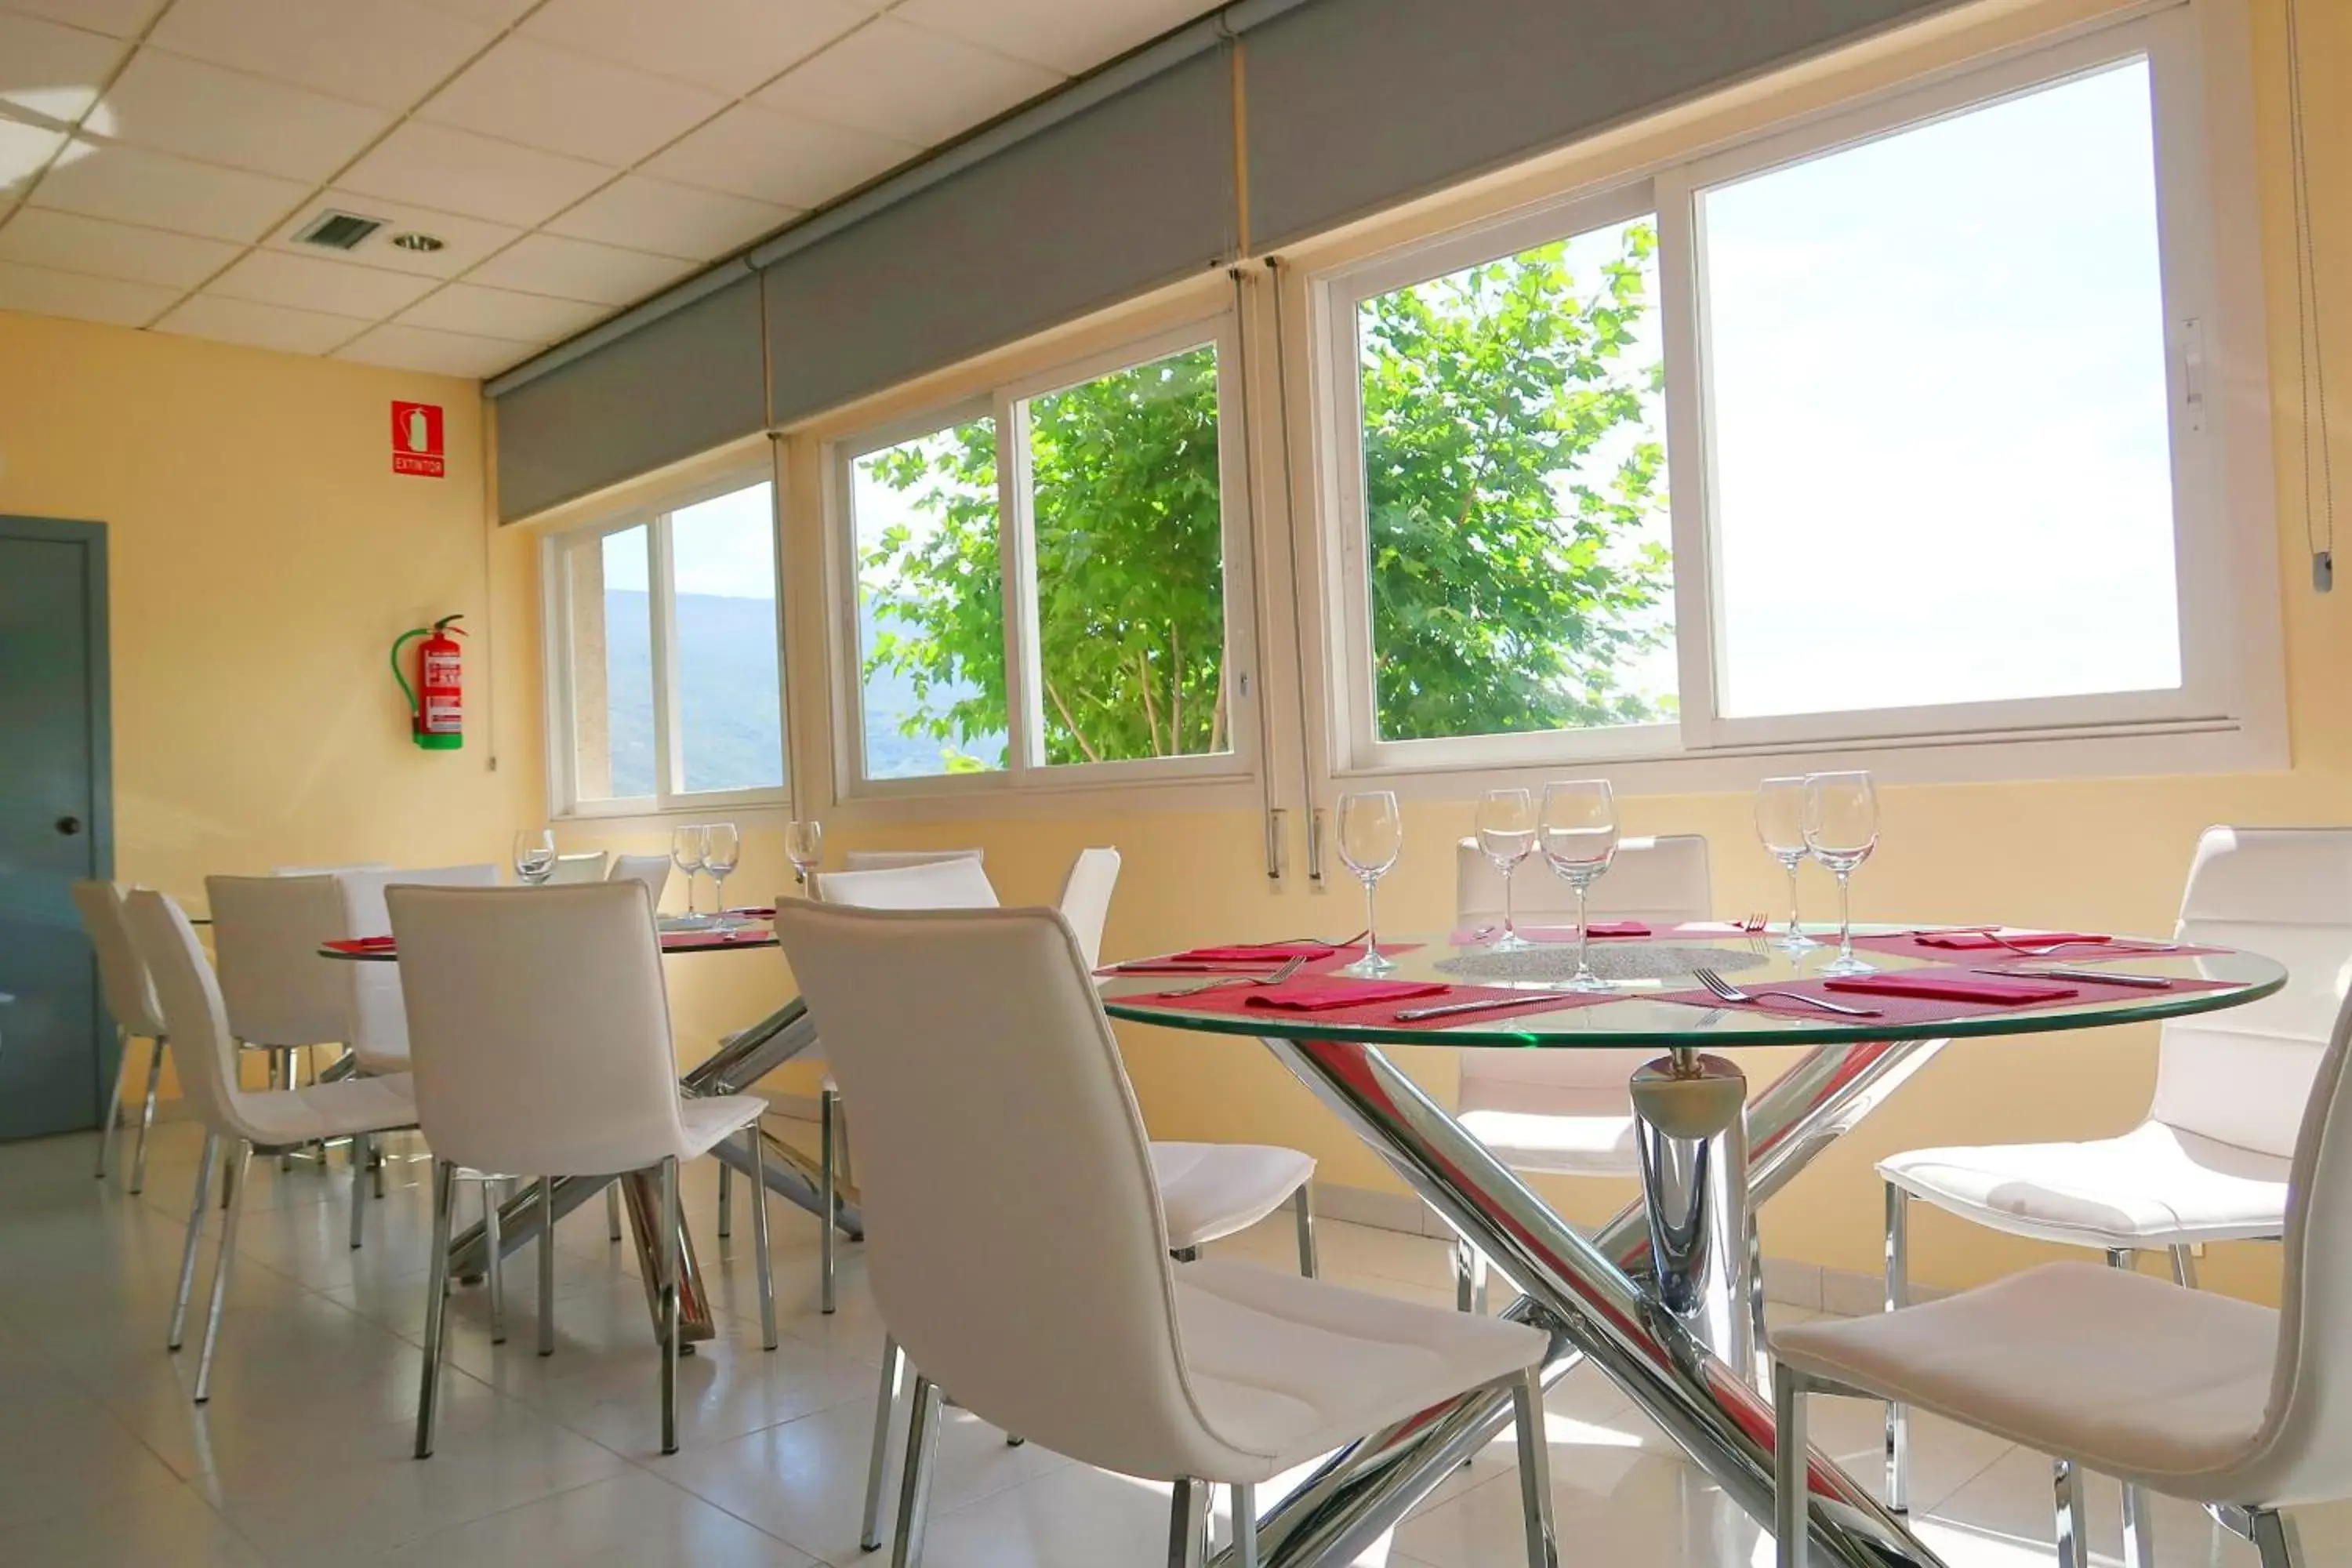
(723, 851)
(1371, 837)
(686, 854)
(1842, 829)
(534, 856)
(804, 846)
(1781, 824)
(1578, 834)
(1506, 835)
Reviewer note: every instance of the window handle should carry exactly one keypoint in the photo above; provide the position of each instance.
(1315, 821)
(1277, 839)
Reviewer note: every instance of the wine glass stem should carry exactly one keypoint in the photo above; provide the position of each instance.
(719, 892)
(1583, 930)
(1510, 926)
(1845, 917)
(1795, 925)
(690, 890)
(1371, 921)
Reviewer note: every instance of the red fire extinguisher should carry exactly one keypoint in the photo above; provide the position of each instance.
(436, 704)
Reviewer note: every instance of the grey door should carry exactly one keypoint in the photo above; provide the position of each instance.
(54, 822)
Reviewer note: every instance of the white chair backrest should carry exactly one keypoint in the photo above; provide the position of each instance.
(130, 995)
(956, 884)
(202, 1047)
(1661, 881)
(538, 1028)
(329, 870)
(2241, 1076)
(891, 859)
(1086, 899)
(998, 1074)
(653, 870)
(585, 868)
(379, 1024)
(266, 937)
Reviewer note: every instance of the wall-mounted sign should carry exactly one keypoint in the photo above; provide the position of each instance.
(417, 440)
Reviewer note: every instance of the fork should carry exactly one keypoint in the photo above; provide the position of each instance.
(1755, 923)
(1731, 992)
(1290, 967)
(2046, 948)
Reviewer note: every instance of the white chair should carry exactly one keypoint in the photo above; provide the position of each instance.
(2210, 1162)
(653, 870)
(2238, 1406)
(329, 870)
(130, 999)
(269, 1122)
(282, 997)
(540, 1029)
(998, 1076)
(585, 868)
(892, 859)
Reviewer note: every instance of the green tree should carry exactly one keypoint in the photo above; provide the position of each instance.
(1510, 472)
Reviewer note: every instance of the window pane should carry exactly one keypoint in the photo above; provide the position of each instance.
(723, 568)
(1515, 490)
(612, 658)
(1131, 564)
(930, 604)
(1938, 409)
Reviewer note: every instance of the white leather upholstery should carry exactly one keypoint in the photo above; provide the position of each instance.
(2193, 1394)
(1569, 1111)
(379, 1024)
(653, 870)
(539, 1031)
(1086, 899)
(585, 868)
(130, 995)
(266, 937)
(959, 883)
(1210, 1191)
(2211, 1163)
(890, 859)
(999, 1074)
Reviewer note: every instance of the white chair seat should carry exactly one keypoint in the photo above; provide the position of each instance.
(331, 1110)
(2131, 1375)
(1211, 1190)
(1288, 1368)
(2154, 1186)
(1558, 1129)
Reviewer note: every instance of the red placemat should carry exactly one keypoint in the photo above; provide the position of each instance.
(1619, 930)
(1929, 945)
(693, 941)
(1908, 1010)
(1382, 1013)
(1321, 959)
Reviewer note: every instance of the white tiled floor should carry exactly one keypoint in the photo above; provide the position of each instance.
(302, 1455)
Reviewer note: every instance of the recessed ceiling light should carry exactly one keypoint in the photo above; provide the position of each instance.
(426, 242)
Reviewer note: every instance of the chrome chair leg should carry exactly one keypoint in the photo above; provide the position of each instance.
(2184, 1266)
(878, 1467)
(240, 1167)
(2139, 1519)
(147, 1112)
(915, 1479)
(114, 1101)
(756, 1142)
(2074, 1523)
(195, 1236)
(1304, 1199)
(1188, 1524)
(2276, 1539)
(547, 1266)
(494, 1252)
(359, 1184)
(1898, 1295)
(1791, 1490)
(669, 1304)
(726, 1200)
(376, 1166)
(612, 1210)
(829, 1218)
(437, 1306)
(1245, 1524)
(1534, 1468)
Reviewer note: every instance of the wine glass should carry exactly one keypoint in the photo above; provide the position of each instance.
(1781, 824)
(804, 846)
(1842, 829)
(686, 853)
(1371, 837)
(1506, 835)
(534, 856)
(1578, 834)
(723, 851)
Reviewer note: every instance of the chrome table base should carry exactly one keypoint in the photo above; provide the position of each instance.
(1680, 1361)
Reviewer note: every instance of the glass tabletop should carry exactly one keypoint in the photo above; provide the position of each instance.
(1638, 1016)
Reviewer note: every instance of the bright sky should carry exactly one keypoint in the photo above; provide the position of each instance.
(724, 546)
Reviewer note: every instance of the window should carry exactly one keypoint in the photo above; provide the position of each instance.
(666, 640)
(1042, 576)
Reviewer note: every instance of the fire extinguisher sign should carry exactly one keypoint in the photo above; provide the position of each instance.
(417, 440)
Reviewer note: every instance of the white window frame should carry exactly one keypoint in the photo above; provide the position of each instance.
(1025, 768)
(670, 740)
(2227, 712)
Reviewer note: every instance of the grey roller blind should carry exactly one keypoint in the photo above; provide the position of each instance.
(1357, 104)
(1134, 193)
(691, 380)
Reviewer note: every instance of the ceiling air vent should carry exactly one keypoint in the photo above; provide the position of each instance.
(338, 231)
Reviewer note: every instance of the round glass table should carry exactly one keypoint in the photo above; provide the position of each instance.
(1663, 1297)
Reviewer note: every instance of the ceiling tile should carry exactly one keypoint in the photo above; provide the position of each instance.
(458, 171)
(122, 18)
(25, 152)
(502, 314)
(772, 157)
(316, 283)
(464, 240)
(732, 45)
(440, 353)
(263, 326)
(575, 269)
(43, 292)
(564, 101)
(1069, 39)
(487, 12)
(902, 81)
(76, 244)
(54, 71)
(388, 53)
(135, 185)
(677, 220)
(227, 117)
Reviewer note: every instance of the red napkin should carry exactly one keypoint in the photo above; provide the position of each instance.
(361, 944)
(762, 913)
(1980, 942)
(1323, 995)
(1617, 927)
(1956, 988)
(1250, 953)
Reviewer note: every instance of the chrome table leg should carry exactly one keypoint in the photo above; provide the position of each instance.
(1691, 1124)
